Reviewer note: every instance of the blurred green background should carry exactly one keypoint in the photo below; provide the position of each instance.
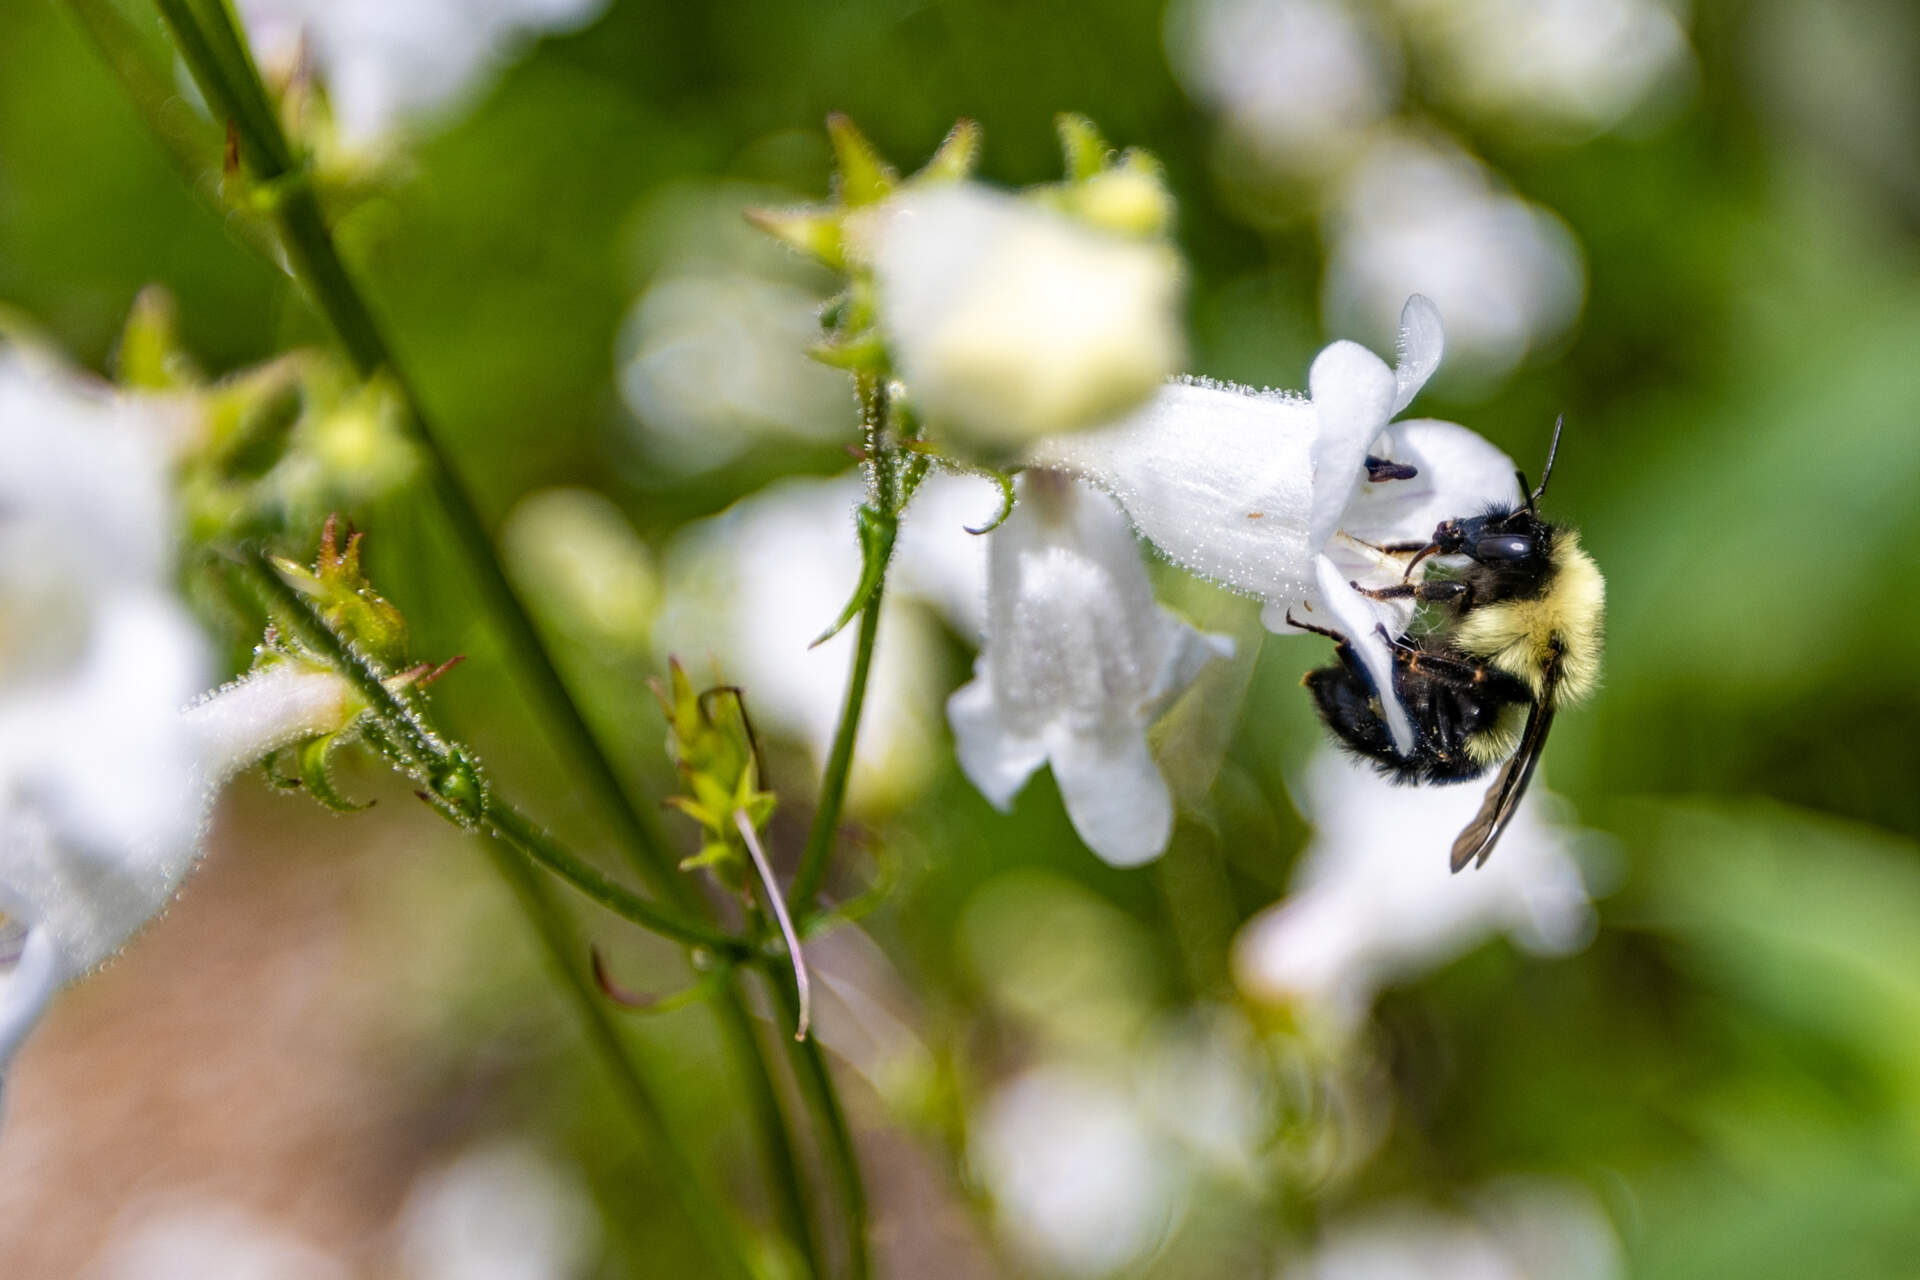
(1732, 1067)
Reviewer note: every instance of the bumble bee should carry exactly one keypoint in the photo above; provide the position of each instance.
(1518, 638)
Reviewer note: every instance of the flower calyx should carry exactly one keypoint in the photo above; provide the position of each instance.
(711, 743)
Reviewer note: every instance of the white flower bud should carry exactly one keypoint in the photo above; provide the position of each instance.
(1007, 321)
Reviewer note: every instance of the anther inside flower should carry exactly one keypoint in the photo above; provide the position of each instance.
(1286, 497)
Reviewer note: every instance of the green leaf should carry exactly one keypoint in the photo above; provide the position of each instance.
(876, 530)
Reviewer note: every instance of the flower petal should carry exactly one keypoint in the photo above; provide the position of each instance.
(1360, 619)
(1114, 793)
(1218, 478)
(996, 760)
(1188, 652)
(1422, 341)
(1459, 474)
(1353, 394)
(26, 990)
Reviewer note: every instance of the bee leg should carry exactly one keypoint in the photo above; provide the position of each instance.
(1462, 673)
(1444, 591)
(1390, 548)
(1328, 632)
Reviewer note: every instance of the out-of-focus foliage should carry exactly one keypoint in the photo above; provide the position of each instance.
(1731, 1069)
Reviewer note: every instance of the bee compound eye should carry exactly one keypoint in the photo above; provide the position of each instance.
(1503, 546)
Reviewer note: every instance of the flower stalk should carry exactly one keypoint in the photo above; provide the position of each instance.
(232, 84)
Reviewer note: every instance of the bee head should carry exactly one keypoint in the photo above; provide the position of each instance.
(1500, 536)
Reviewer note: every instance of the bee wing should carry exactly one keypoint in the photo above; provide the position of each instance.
(1476, 843)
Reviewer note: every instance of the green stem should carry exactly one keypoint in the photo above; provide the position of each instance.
(314, 259)
(417, 748)
(833, 786)
(715, 1233)
(232, 85)
(523, 834)
(843, 1159)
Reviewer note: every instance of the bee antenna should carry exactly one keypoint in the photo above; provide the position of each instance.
(1552, 450)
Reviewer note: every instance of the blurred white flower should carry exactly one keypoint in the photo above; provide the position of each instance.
(194, 1238)
(713, 361)
(1007, 320)
(100, 784)
(1519, 1230)
(1299, 82)
(1570, 66)
(1079, 1182)
(577, 554)
(1419, 217)
(754, 586)
(104, 780)
(500, 1211)
(1373, 901)
(386, 62)
(1270, 494)
(1079, 660)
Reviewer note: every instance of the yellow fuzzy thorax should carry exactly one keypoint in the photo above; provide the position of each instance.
(1518, 636)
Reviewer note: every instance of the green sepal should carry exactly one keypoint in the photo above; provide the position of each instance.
(713, 853)
(863, 177)
(276, 777)
(315, 757)
(876, 530)
(813, 231)
(1085, 151)
(957, 156)
(150, 357)
(1005, 480)
(861, 352)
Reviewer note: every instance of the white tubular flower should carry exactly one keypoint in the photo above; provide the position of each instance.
(1080, 1183)
(1078, 661)
(1519, 1229)
(1299, 81)
(1373, 901)
(1575, 67)
(1007, 320)
(104, 783)
(99, 784)
(1270, 494)
(386, 62)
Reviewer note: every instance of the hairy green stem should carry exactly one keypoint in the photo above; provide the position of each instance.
(233, 86)
(715, 1233)
(833, 784)
(523, 834)
(418, 748)
(843, 1159)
